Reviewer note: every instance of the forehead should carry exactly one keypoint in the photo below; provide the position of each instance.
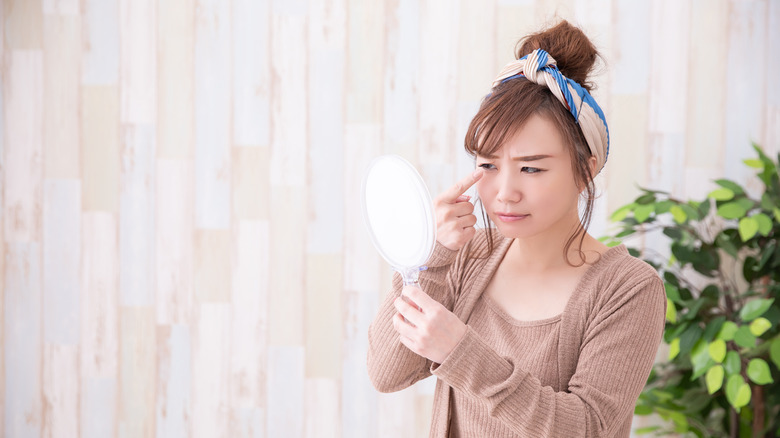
(538, 136)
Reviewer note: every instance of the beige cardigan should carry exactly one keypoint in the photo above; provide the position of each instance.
(610, 331)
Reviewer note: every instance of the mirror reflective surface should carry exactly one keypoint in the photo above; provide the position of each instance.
(399, 214)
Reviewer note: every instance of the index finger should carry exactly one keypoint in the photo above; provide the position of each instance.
(418, 297)
(460, 187)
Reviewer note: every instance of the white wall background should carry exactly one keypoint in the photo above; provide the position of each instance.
(183, 253)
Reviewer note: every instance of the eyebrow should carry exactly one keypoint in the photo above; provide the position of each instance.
(526, 158)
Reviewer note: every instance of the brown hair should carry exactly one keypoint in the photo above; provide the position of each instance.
(512, 103)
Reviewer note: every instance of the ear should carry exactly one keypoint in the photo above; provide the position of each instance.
(592, 163)
(593, 169)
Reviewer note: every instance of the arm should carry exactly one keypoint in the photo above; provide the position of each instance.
(392, 366)
(615, 359)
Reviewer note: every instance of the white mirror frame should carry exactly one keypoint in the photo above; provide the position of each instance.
(398, 213)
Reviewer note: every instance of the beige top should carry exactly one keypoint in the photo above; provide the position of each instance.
(575, 375)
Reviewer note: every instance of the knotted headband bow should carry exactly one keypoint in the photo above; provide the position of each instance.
(539, 67)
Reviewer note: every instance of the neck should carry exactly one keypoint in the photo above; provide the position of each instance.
(543, 252)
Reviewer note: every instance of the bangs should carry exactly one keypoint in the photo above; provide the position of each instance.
(503, 113)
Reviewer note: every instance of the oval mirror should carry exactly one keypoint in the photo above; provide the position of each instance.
(399, 214)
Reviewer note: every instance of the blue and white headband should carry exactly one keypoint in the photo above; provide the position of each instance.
(543, 70)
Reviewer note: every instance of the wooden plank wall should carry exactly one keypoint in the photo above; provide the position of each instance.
(183, 251)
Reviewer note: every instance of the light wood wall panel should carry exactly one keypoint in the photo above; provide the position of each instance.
(2, 246)
(62, 45)
(173, 408)
(175, 80)
(136, 216)
(747, 39)
(99, 152)
(100, 48)
(183, 247)
(212, 115)
(99, 321)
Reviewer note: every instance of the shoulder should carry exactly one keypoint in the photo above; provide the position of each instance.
(619, 274)
(620, 290)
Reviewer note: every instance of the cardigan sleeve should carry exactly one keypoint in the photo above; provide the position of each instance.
(391, 366)
(615, 359)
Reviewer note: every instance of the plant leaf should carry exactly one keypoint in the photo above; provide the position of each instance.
(714, 378)
(755, 308)
(727, 331)
(758, 372)
(672, 292)
(717, 350)
(643, 410)
(662, 207)
(671, 311)
(776, 211)
(766, 202)
(756, 164)
(732, 364)
(743, 395)
(647, 198)
(737, 391)
(700, 359)
(759, 326)
(746, 203)
(678, 214)
(713, 327)
(748, 227)
(642, 212)
(774, 351)
(768, 251)
(646, 430)
(622, 212)
(744, 338)
(731, 185)
(690, 209)
(721, 194)
(674, 348)
(764, 223)
(724, 242)
(731, 210)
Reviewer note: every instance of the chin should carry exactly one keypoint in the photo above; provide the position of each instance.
(514, 231)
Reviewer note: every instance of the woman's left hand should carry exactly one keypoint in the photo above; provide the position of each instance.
(429, 329)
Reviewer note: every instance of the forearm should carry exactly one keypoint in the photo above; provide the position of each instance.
(391, 365)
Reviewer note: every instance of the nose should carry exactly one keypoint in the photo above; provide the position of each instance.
(508, 192)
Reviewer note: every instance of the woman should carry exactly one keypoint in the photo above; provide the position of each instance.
(532, 327)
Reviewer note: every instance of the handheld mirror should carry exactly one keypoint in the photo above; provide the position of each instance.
(398, 212)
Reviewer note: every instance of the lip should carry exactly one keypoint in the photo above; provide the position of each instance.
(510, 217)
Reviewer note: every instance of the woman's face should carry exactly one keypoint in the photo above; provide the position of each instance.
(528, 188)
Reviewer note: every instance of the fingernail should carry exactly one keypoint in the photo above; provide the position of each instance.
(476, 173)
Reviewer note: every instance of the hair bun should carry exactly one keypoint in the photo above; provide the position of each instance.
(574, 53)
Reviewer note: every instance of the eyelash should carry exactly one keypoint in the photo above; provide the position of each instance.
(526, 169)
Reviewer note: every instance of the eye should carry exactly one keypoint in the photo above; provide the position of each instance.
(531, 170)
(487, 166)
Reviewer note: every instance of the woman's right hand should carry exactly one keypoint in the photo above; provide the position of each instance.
(455, 218)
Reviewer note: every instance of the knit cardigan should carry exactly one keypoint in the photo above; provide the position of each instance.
(610, 331)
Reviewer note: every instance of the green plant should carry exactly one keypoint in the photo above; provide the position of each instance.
(722, 278)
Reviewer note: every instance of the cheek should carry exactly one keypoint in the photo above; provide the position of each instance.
(485, 189)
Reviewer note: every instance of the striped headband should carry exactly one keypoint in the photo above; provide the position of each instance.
(544, 71)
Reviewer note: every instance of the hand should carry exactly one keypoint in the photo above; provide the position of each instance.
(454, 213)
(425, 326)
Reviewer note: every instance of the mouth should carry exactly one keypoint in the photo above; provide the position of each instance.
(511, 217)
